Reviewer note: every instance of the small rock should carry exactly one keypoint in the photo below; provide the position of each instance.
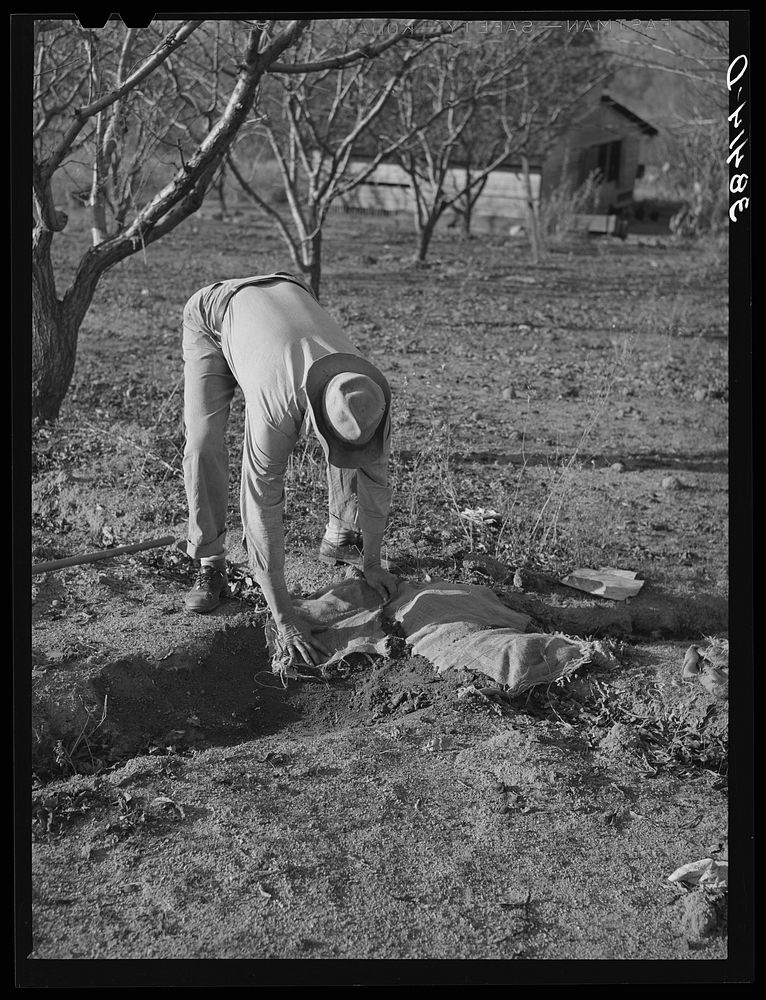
(671, 483)
(617, 467)
(509, 394)
(620, 739)
(700, 395)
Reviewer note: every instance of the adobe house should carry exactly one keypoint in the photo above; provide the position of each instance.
(606, 137)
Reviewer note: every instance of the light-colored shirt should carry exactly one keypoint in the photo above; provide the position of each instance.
(270, 340)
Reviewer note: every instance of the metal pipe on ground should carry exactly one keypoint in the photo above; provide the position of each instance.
(88, 557)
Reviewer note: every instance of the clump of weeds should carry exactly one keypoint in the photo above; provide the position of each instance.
(88, 752)
(533, 530)
(669, 738)
(54, 811)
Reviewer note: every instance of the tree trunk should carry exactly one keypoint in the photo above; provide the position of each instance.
(56, 323)
(534, 229)
(312, 261)
(220, 189)
(54, 340)
(425, 233)
(468, 206)
(97, 200)
(427, 226)
(468, 217)
(98, 231)
(55, 326)
(472, 196)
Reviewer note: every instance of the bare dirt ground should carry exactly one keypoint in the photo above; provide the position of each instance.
(186, 805)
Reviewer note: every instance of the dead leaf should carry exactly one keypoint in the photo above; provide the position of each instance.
(162, 801)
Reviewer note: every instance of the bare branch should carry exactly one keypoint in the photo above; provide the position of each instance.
(365, 51)
(263, 204)
(213, 147)
(172, 41)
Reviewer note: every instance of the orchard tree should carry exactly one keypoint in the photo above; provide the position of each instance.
(455, 99)
(314, 121)
(115, 99)
(473, 149)
(480, 101)
(85, 104)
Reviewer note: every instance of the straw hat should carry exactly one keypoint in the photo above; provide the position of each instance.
(350, 402)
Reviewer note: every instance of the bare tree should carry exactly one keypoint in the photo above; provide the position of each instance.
(441, 105)
(199, 76)
(66, 133)
(494, 98)
(92, 92)
(313, 122)
(474, 148)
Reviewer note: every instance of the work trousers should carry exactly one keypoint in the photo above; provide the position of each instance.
(213, 368)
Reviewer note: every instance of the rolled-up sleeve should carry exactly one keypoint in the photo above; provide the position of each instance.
(267, 451)
(374, 492)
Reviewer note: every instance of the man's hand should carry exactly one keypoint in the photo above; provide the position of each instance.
(382, 581)
(298, 643)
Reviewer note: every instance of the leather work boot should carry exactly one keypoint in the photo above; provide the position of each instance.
(351, 553)
(210, 586)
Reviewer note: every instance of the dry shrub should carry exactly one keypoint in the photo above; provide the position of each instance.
(559, 211)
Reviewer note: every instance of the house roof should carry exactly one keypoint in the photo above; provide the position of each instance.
(645, 127)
